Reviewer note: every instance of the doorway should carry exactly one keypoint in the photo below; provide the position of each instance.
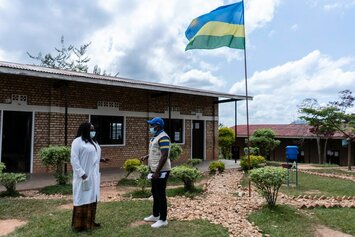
(16, 141)
(198, 138)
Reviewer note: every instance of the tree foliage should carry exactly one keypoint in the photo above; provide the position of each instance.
(326, 120)
(68, 58)
(264, 139)
(226, 138)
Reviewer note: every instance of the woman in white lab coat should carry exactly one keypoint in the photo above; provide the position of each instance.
(85, 161)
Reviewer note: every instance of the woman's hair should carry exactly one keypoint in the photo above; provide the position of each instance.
(84, 133)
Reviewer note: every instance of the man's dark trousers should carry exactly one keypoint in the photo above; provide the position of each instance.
(160, 207)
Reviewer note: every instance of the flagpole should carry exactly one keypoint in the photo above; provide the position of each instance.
(246, 96)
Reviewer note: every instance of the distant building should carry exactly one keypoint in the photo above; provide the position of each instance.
(299, 135)
(41, 106)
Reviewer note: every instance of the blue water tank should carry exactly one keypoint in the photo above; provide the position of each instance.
(291, 152)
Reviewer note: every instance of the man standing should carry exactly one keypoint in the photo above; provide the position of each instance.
(159, 165)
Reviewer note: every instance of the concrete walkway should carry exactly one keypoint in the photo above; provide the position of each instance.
(36, 181)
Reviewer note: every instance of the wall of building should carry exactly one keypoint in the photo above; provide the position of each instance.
(46, 99)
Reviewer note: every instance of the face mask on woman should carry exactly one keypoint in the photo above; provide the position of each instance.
(92, 134)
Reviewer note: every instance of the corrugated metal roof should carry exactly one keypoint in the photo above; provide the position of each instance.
(44, 72)
(282, 130)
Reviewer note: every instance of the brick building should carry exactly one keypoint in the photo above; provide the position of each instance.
(299, 135)
(42, 106)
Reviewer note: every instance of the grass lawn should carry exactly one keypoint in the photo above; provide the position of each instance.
(315, 184)
(341, 219)
(283, 221)
(117, 219)
(170, 192)
(57, 189)
(287, 221)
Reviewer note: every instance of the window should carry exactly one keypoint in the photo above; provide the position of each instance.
(109, 129)
(177, 130)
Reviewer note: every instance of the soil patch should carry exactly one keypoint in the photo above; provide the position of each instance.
(8, 226)
(138, 223)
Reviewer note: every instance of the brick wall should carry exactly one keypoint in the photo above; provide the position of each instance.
(49, 126)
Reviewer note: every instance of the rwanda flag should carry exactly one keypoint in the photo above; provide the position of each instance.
(223, 26)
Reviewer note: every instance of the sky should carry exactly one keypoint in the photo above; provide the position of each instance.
(295, 49)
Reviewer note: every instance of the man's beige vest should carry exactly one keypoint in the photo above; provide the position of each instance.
(155, 154)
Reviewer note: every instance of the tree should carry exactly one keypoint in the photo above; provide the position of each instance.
(347, 125)
(326, 120)
(322, 121)
(226, 139)
(264, 139)
(69, 58)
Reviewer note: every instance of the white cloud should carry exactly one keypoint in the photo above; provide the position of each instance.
(147, 43)
(294, 27)
(259, 12)
(344, 4)
(279, 90)
(197, 78)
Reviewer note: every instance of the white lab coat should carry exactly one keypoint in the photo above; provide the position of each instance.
(85, 159)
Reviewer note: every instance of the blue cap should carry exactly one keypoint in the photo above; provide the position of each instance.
(156, 121)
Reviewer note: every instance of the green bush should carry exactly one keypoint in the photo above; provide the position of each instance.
(2, 167)
(55, 157)
(194, 161)
(226, 138)
(131, 165)
(255, 161)
(268, 181)
(252, 151)
(9, 181)
(187, 174)
(216, 165)
(142, 181)
(175, 151)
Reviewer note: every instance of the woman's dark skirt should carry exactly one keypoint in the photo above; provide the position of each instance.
(84, 217)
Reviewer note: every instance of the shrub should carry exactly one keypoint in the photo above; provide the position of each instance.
(252, 151)
(142, 181)
(226, 138)
(55, 157)
(131, 165)
(216, 165)
(175, 151)
(9, 181)
(255, 161)
(194, 162)
(268, 181)
(187, 174)
(2, 167)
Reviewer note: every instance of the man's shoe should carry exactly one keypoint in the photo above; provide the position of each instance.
(97, 224)
(151, 218)
(159, 224)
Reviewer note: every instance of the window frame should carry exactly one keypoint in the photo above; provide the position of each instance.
(166, 128)
(123, 130)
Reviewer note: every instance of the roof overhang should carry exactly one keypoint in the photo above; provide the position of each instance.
(59, 74)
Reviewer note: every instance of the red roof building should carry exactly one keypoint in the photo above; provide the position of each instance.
(298, 135)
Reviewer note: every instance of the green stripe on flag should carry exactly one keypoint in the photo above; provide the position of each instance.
(212, 42)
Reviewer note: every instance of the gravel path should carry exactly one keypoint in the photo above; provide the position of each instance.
(225, 202)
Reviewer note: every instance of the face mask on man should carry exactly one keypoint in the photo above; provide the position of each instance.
(92, 134)
(152, 130)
